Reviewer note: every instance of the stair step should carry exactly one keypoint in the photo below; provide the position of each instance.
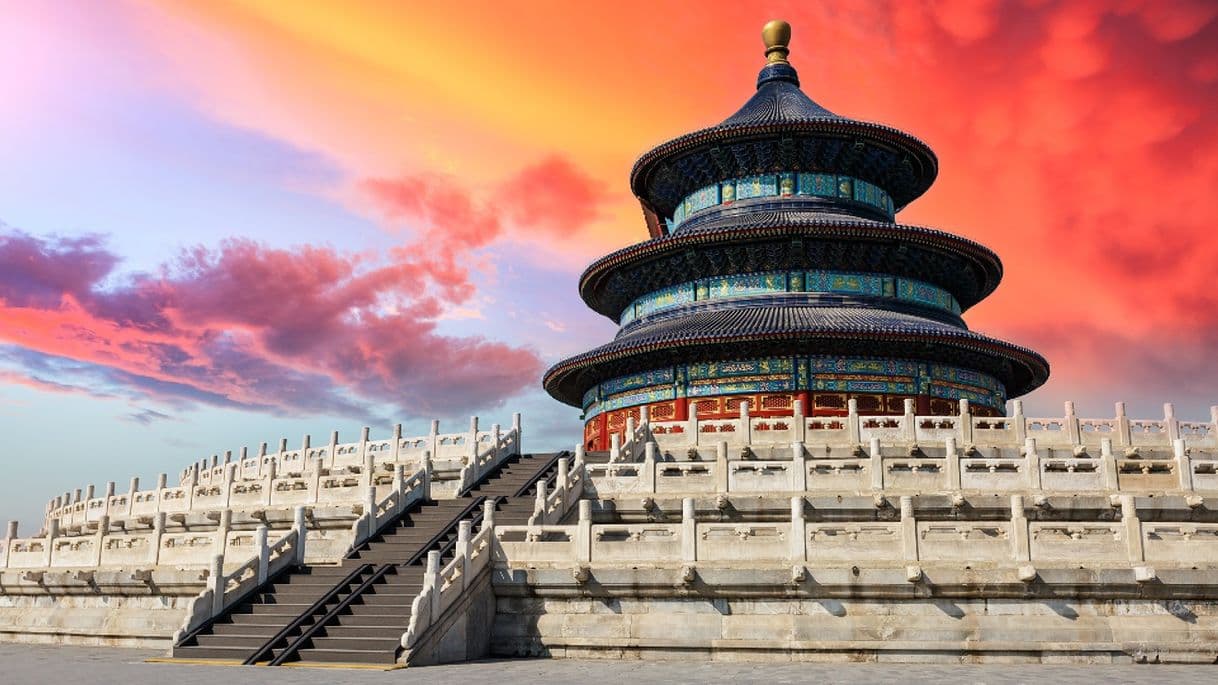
(374, 610)
(247, 642)
(370, 621)
(372, 631)
(386, 644)
(348, 656)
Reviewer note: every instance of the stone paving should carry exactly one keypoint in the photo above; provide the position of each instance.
(21, 664)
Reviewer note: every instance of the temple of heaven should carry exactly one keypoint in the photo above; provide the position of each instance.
(776, 272)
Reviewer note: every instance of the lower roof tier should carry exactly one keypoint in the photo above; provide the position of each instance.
(758, 332)
(764, 240)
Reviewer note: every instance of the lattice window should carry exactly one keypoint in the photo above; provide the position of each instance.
(869, 403)
(776, 402)
(829, 401)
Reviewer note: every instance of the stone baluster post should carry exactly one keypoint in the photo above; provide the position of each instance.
(909, 422)
(262, 460)
(649, 467)
(1170, 420)
(583, 532)
(230, 481)
(471, 444)
(1184, 465)
(135, 486)
(965, 429)
(433, 439)
(909, 529)
(1124, 435)
(431, 580)
(397, 442)
(10, 534)
(1108, 467)
(800, 427)
(264, 552)
(1214, 421)
(319, 465)
(799, 530)
(332, 449)
(268, 490)
(222, 530)
(464, 548)
(876, 465)
(52, 533)
(399, 488)
(370, 512)
(1032, 459)
(244, 461)
(516, 443)
(1020, 539)
(615, 448)
(302, 533)
(952, 456)
(76, 495)
(1133, 529)
(564, 471)
(799, 467)
(366, 458)
(109, 496)
(1073, 430)
(89, 490)
(689, 530)
(722, 475)
(539, 505)
(852, 422)
(1019, 420)
(488, 514)
(580, 455)
(496, 450)
(154, 541)
(161, 481)
(99, 543)
(215, 583)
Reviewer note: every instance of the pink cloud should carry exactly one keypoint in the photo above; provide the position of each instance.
(305, 329)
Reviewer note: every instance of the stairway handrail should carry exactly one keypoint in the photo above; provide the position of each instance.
(307, 633)
(300, 618)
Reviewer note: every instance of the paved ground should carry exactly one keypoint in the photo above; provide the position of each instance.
(21, 664)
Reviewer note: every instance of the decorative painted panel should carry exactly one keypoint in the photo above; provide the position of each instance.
(784, 184)
(769, 282)
(857, 376)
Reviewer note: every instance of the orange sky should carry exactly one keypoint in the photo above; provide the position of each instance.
(487, 139)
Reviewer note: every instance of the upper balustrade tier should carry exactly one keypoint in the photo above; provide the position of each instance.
(765, 240)
(781, 128)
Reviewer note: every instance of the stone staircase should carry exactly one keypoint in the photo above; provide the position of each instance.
(356, 612)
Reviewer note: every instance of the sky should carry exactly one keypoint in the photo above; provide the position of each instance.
(226, 223)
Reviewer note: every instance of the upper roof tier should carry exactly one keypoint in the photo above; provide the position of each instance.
(781, 130)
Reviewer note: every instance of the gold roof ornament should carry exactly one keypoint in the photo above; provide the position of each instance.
(777, 36)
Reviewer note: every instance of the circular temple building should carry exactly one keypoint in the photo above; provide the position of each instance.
(776, 272)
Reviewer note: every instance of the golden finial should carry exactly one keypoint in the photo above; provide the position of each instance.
(777, 36)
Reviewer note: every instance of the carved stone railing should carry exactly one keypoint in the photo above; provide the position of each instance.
(552, 505)
(853, 428)
(315, 478)
(444, 586)
(226, 588)
(157, 546)
(909, 467)
(893, 536)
